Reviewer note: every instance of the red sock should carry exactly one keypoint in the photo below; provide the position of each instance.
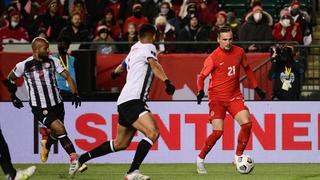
(210, 142)
(44, 132)
(243, 138)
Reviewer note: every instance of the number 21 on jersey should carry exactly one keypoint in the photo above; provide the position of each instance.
(231, 70)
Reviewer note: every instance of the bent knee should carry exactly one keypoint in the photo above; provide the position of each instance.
(153, 135)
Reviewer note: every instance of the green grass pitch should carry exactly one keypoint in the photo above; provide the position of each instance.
(179, 172)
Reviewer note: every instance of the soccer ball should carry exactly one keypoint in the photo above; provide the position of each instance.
(244, 164)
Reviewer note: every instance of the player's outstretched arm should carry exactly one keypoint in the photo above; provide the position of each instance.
(159, 73)
(120, 69)
(76, 100)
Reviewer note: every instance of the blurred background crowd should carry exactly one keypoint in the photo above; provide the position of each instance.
(176, 20)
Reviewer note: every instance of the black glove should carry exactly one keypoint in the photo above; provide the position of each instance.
(200, 96)
(169, 87)
(260, 92)
(12, 88)
(114, 75)
(16, 101)
(76, 100)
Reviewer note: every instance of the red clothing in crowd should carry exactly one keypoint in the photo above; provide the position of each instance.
(224, 67)
(7, 34)
(137, 22)
(276, 33)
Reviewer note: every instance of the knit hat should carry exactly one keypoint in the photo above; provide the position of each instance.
(222, 13)
(295, 3)
(256, 8)
(136, 6)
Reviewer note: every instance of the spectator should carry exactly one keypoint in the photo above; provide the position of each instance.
(86, 19)
(104, 35)
(287, 30)
(234, 23)
(208, 12)
(303, 19)
(256, 28)
(221, 22)
(108, 4)
(68, 62)
(14, 32)
(166, 10)
(191, 10)
(131, 36)
(110, 22)
(165, 32)
(75, 30)
(137, 17)
(149, 8)
(286, 73)
(193, 32)
(51, 20)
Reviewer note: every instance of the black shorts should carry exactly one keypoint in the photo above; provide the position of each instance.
(45, 116)
(129, 111)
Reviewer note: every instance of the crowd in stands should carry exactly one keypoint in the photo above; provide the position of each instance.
(107, 21)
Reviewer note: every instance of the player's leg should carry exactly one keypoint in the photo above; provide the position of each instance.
(240, 112)
(6, 165)
(122, 141)
(148, 126)
(217, 115)
(5, 159)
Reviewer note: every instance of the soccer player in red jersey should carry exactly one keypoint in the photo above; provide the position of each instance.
(224, 93)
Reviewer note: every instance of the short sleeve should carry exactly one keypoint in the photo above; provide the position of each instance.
(57, 64)
(208, 66)
(151, 52)
(19, 69)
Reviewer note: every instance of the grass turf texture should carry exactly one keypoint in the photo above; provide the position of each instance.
(179, 172)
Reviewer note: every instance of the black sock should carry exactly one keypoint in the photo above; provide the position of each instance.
(142, 151)
(102, 149)
(50, 141)
(66, 144)
(5, 159)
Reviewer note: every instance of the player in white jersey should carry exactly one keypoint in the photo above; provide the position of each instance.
(141, 65)
(46, 104)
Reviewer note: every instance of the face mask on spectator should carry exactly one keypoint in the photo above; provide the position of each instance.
(137, 14)
(14, 24)
(285, 22)
(161, 27)
(257, 16)
(164, 11)
(295, 11)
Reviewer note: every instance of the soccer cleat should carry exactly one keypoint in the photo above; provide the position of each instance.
(136, 175)
(25, 173)
(237, 159)
(200, 166)
(83, 168)
(44, 152)
(74, 165)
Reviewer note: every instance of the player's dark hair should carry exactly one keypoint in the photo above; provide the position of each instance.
(223, 29)
(146, 29)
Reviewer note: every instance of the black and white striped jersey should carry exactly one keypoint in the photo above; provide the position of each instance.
(39, 77)
(139, 73)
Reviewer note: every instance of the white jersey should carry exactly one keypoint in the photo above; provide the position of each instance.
(139, 73)
(39, 77)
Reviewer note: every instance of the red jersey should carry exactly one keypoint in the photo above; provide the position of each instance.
(224, 67)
